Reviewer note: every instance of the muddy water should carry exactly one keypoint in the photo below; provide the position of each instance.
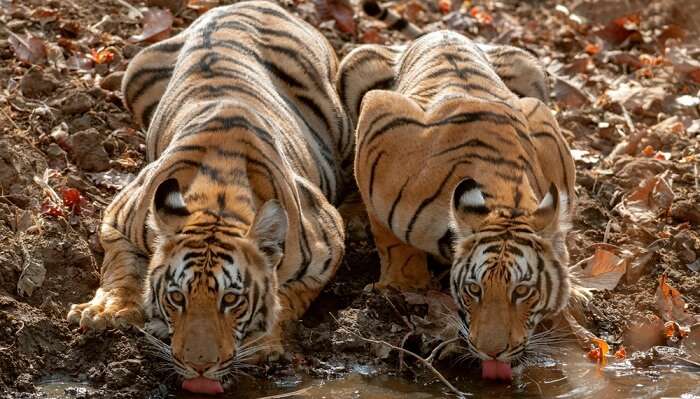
(570, 375)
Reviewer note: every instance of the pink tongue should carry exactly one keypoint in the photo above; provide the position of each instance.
(203, 385)
(495, 370)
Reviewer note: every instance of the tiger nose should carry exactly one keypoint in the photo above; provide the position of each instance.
(494, 353)
(201, 368)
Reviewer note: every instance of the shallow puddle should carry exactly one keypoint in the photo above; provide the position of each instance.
(572, 375)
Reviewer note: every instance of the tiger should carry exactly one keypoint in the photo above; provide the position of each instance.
(458, 157)
(231, 228)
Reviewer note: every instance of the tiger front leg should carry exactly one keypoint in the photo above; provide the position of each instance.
(402, 266)
(118, 301)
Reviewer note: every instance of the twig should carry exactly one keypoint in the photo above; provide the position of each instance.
(416, 356)
(607, 231)
(130, 7)
(288, 394)
(439, 348)
(408, 324)
(536, 384)
(9, 118)
(628, 120)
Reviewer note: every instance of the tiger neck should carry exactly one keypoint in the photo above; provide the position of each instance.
(223, 192)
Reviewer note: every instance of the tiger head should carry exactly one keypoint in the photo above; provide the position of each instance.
(212, 286)
(509, 271)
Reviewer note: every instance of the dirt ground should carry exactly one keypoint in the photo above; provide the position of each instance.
(625, 85)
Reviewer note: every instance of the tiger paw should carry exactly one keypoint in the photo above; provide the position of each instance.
(116, 308)
(354, 214)
(269, 350)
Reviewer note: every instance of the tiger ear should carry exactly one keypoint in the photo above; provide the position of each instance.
(468, 206)
(269, 231)
(546, 215)
(169, 210)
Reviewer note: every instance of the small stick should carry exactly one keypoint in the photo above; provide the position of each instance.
(438, 348)
(130, 7)
(628, 120)
(9, 118)
(288, 394)
(418, 357)
(607, 231)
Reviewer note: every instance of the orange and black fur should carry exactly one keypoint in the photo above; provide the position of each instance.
(231, 228)
(458, 157)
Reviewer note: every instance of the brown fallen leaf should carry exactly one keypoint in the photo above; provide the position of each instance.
(570, 95)
(684, 64)
(28, 49)
(340, 11)
(44, 15)
(79, 62)
(157, 24)
(671, 304)
(643, 333)
(637, 99)
(647, 202)
(621, 29)
(603, 270)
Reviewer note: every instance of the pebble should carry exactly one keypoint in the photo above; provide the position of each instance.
(34, 83)
(77, 103)
(87, 152)
(113, 81)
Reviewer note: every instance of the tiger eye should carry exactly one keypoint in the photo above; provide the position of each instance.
(177, 298)
(474, 289)
(230, 299)
(522, 290)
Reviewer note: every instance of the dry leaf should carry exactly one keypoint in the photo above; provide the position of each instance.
(157, 24)
(340, 11)
(647, 202)
(599, 352)
(79, 62)
(637, 99)
(372, 36)
(585, 156)
(569, 95)
(44, 15)
(32, 277)
(202, 6)
(481, 16)
(445, 6)
(603, 270)
(28, 49)
(621, 353)
(101, 56)
(671, 304)
(621, 29)
(644, 333)
(684, 64)
(674, 332)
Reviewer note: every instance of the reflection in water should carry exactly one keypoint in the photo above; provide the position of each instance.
(570, 376)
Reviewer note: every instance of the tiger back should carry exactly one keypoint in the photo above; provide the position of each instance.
(451, 162)
(231, 229)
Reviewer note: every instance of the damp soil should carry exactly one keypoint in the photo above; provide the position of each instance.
(63, 126)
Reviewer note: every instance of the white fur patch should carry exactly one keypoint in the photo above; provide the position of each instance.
(175, 200)
(473, 198)
(547, 202)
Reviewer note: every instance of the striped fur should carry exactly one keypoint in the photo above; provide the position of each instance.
(451, 162)
(231, 228)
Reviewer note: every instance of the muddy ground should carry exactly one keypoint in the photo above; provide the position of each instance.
(625, 85)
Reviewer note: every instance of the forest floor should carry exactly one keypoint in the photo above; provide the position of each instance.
(625, 85)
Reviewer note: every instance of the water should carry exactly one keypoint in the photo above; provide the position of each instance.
(571, 375)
